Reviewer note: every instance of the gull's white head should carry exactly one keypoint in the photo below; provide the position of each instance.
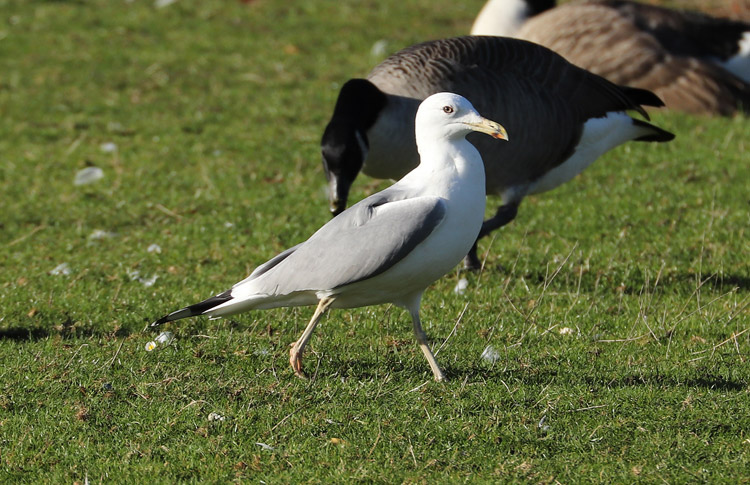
(451, 116)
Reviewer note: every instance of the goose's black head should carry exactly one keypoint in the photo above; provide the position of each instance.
(344, 145)
(538, 6)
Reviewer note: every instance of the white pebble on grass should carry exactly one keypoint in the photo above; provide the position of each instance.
(544, 428)
(135, 275)
(461, 286)
(147, 282)
(108, 147)
(99, 234)
(490, 354)
(165, 338)
(163, 3)
(379, 49)
(62, 269)
(154, 248)
(88, 175)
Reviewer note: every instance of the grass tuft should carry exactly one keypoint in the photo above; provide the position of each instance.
(612, 315)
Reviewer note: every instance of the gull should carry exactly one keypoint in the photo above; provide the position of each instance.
(388, 247)
(695, 62)
(564, 117)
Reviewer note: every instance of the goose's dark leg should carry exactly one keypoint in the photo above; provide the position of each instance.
(505, 214)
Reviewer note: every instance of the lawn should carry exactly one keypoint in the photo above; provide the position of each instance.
(606, 339)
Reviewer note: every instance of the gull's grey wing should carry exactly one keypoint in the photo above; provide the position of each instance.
(364, 241)
(270, 264)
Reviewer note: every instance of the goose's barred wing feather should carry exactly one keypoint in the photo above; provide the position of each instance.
(529, 87)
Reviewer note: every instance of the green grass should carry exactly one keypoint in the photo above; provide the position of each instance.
(216, 109)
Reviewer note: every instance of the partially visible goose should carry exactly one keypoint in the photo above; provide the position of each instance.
(562, 118)
(695, 63)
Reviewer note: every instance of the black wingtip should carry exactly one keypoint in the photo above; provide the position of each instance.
(196, 309)
(163, 319)
(657, 134)
(643, 96)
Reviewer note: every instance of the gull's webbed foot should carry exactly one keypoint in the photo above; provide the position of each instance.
(295, 359)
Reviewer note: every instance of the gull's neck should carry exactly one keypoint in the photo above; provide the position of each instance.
(448, 167)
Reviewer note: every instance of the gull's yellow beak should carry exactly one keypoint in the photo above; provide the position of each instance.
(495, 130)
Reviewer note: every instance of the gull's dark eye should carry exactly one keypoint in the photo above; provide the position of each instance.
(448, 109)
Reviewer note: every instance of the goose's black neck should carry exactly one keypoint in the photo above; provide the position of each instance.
(538, 6)
(359, 103)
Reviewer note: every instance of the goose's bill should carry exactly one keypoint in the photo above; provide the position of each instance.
(495, 130)
(338, 193)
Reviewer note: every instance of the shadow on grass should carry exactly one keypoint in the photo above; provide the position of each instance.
(633, 282)
(337, 367)
(33, 334)
(717, 383)
(22, 334)
(665, 381)
(733, 281)
(547, 377)
(350, 367)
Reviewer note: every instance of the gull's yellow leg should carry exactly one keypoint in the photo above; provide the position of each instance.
(423, 344)
(295, 353)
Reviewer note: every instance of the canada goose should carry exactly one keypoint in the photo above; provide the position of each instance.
(390, 246)
(562, 118)
(694, 62)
